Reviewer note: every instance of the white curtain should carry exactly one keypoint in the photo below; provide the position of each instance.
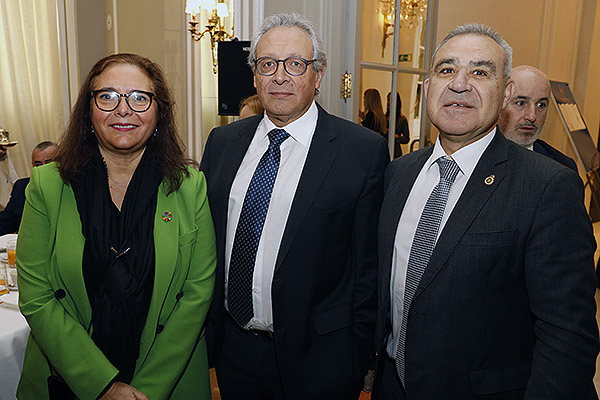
(31, 94)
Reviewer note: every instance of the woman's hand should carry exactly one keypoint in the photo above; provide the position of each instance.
(123, 391)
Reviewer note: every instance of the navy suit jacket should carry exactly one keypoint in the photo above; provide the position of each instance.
(10, 217)
(505, 308)
(325, 281)
(539, 146)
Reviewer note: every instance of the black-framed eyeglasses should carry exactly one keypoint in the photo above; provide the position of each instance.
(294, 66)
(108, 100)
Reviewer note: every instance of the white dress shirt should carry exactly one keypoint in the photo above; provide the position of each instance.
(293, 156)
(466, 158)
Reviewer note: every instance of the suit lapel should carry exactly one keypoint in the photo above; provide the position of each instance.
(473, 198)
(235, 149)
(222, 176)
(321, 155)
(69, 241)
(166, 244)
(398, 188)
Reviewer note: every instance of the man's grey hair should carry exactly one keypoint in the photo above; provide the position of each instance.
(290, 21)
(481, 30)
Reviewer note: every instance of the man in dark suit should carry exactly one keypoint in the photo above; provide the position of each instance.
(523, 119)
(486, 251)
(294, 307)
(10, 217)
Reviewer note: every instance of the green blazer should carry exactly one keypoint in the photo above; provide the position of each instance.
(53, 298)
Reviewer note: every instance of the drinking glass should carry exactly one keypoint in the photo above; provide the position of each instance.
(11, 250)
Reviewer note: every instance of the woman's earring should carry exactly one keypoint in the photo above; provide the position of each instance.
(93, 131)
(155, 131)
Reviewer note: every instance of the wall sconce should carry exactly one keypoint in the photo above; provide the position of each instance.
(214, 28)
(387, 11)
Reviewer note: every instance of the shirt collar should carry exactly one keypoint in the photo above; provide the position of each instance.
(466, 157)
(300, 130)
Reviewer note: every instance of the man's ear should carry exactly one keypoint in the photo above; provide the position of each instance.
(508, 93)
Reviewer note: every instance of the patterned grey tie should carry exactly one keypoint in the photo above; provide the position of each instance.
(422, 247)
(249, 230)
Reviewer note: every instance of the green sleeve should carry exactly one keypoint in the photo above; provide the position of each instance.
(54, 325)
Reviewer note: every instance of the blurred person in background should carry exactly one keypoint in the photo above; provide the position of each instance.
(8, 175)
(374, 118)
(116, 250)
(402, 134)
(10, 217)
(250, 106)
(523, 119)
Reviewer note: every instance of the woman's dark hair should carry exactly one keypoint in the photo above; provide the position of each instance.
(398, 106)
(78, 141)
(373, 104)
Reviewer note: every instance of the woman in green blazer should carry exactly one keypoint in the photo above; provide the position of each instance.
(116, 250)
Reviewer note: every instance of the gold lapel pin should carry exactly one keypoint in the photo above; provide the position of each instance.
(489, 180)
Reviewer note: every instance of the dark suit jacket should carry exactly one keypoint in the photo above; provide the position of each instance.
(539, 146)
(505, 308)
(324, 286)
(10, 217)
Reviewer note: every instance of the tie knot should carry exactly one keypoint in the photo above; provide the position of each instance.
(448, 169)
(278, 136)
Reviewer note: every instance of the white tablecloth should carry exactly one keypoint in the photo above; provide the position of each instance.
(13, 338)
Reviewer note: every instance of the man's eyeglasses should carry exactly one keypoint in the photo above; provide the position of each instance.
(294, 66)
(109, 100)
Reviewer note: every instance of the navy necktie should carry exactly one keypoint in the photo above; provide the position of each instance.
(249, 230)
(422, 247)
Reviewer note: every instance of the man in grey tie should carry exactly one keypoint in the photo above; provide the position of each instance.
(486, 273)
(295, 195)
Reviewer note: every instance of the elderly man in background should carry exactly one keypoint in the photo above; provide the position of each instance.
(10, 217)
(8, 175)
(487, 287)
(523, 119)
(295, 194)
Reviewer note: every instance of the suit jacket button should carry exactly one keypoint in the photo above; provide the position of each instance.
(179, 296)
(159, 328)
(60, 294)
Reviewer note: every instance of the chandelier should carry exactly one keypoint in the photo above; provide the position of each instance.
(412, 13)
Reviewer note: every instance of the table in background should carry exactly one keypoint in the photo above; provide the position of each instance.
(13, 339)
